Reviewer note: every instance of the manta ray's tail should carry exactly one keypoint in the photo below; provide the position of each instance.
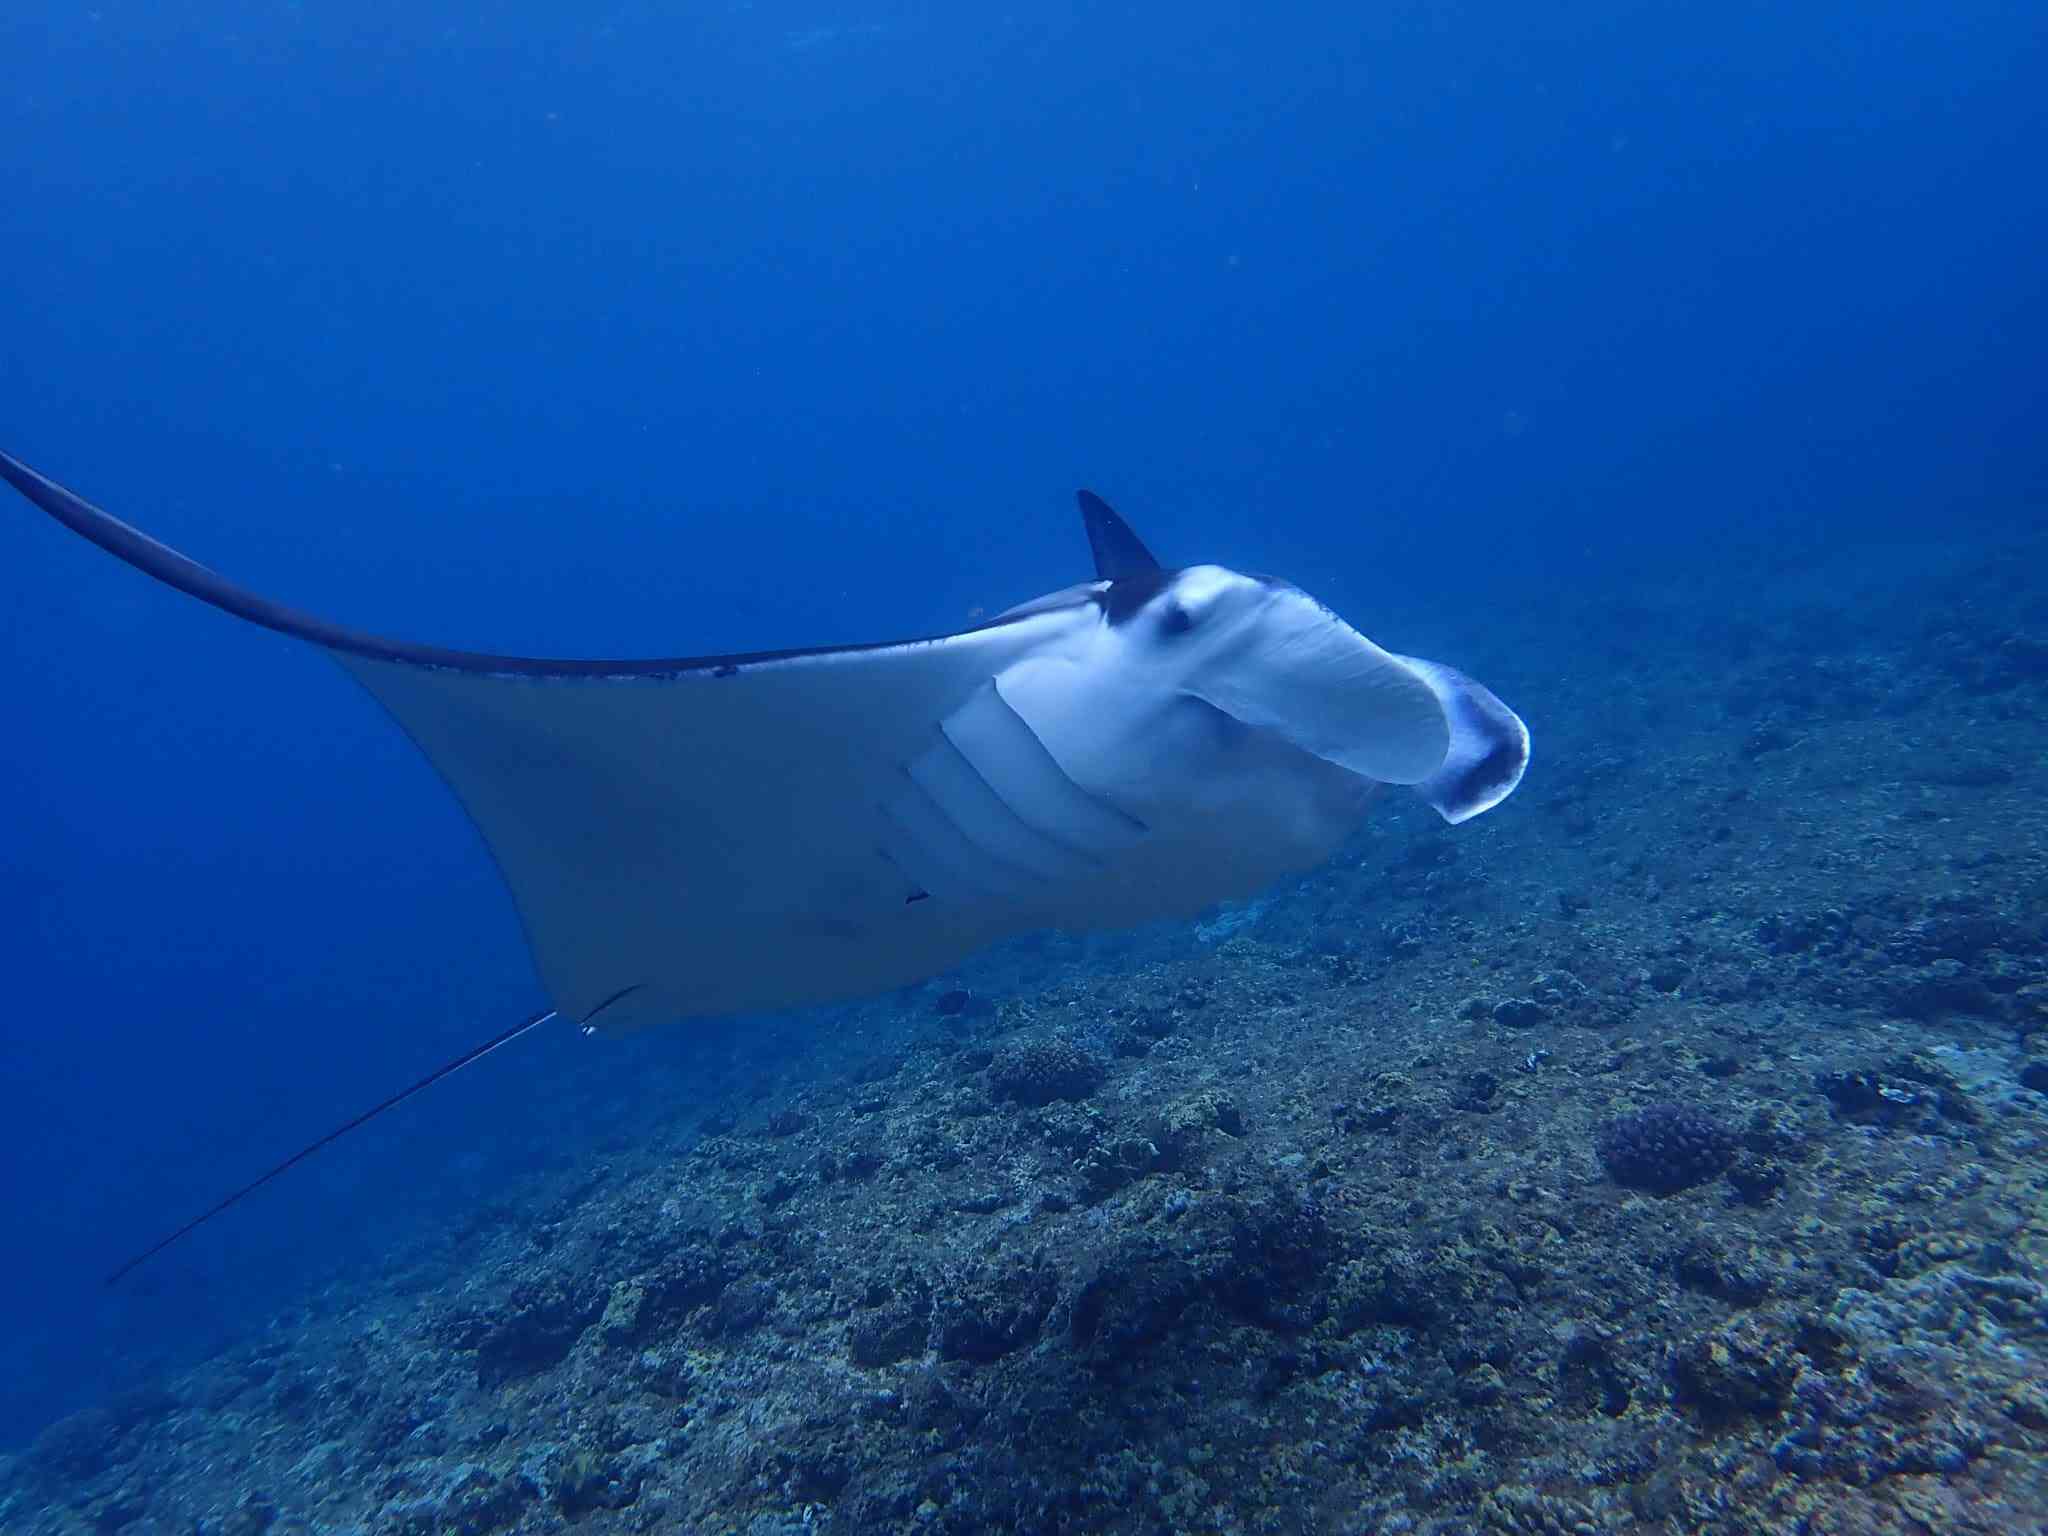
(475, 1053)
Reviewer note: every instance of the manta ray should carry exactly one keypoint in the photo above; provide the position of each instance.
(685, 836)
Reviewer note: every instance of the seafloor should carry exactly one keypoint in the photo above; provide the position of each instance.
(1331, 1216)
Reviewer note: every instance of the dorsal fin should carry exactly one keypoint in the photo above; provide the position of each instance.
(1118, 551)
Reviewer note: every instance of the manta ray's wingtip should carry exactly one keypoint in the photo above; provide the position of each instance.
(18, 474)
(73, 511)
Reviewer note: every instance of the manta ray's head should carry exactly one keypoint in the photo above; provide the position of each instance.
(1272, 657)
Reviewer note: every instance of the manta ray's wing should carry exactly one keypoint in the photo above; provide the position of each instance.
(754, 832)
(712, 834)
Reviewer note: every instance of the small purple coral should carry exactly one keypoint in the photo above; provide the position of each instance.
(1665, 1148)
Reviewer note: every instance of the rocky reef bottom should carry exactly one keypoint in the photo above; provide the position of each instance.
(1667, 1153)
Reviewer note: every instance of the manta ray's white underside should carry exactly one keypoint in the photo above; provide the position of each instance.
(707, 835)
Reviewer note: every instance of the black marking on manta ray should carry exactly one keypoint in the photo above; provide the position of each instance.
(1488, 774)
(173, 569)
(1124, 598)
(917, 892)
(590, 1018)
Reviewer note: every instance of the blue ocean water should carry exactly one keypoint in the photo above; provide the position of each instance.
(658, 329)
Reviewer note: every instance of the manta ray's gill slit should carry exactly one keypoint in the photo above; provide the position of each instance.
(933, 867)
(976, 809)
(939, 833)
(1001, 747)
(1089, 858)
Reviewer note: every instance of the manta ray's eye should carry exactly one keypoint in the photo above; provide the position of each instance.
(1175, 620)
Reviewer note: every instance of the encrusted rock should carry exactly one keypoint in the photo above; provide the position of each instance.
(1403, 1289)
(1185, 1123)
(1756, 1180)
(1709, 1266)
(894, 1330)
(621, 1320)
(531, 1329)
(469, 1501)
(984, 1316)
(587, 1478)
(788, 1122)
(1107, 1166)
(741, 1307)
(1131, 1299)
(1745, 1369)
